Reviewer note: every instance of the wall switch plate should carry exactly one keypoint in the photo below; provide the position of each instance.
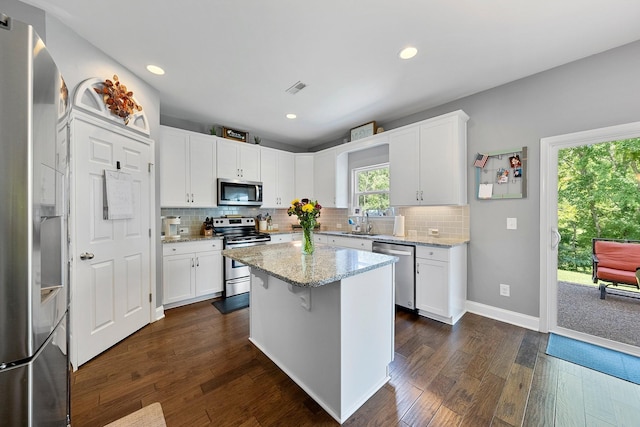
(512, 223)
(434, 232)
(505, 290)
(184, 230)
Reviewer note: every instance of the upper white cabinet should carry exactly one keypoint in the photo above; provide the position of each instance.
(330, 183)
(427, 162)
(238, 160)
(303, 181)
(187, 168)
(278, 176)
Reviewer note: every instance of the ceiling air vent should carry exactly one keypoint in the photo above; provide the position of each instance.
(297, 87)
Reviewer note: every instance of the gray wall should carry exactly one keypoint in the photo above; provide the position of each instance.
(595, 92)
(206, 129)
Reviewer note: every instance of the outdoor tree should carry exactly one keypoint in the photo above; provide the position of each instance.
(598, 197)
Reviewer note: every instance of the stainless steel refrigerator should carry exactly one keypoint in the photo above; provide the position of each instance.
(34, 268)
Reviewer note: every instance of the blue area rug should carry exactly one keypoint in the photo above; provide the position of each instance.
(591, 356)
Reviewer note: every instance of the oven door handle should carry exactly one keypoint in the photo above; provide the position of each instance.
(235, 243)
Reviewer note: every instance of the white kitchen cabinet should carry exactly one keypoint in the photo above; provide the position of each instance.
(237, 160)
(441, 282)
(427, 162)
(187, 169)
(277, 176)
(331, 186)
(281, 238)
(191, 271)
(350, 242)
(318, 238)
(304, 176)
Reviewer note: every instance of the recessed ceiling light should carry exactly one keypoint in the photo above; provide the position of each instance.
(291, 116)
(408, 52)
(155, 70)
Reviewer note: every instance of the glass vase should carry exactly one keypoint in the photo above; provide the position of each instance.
(307, 239)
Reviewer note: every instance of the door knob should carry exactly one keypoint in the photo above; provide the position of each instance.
(86, 255)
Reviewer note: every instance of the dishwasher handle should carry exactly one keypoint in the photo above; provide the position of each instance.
(392, 252)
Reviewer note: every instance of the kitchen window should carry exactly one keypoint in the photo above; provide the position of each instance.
(371, 189)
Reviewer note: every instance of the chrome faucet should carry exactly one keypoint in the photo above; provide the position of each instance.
(369, 227)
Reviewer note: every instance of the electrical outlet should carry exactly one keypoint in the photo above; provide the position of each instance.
(505, 290)
(512, 223)
(184, 230)
(434, 232)
(339, 225)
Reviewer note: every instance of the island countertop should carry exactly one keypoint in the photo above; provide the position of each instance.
(326, 265)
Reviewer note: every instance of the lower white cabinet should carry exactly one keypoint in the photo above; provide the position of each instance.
(281, 238)
(318, 238)
(350, 242)
(191, 271)
(441, 282)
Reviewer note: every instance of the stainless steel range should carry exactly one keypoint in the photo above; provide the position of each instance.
(238, 233)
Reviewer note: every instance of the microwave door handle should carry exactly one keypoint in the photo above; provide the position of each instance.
(258, 196)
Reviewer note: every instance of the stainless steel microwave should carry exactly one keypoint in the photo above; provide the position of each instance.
(234, 192)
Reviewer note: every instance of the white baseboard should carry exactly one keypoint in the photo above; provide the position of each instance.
(518, 319)
(159, 313)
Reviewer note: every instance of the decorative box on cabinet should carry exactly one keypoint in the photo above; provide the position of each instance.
(187, 169)
(441, 282)
(427, 162)
(238, 160)
(277, 172)
(191, 271)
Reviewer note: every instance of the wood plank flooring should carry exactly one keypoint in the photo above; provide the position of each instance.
(201, 367)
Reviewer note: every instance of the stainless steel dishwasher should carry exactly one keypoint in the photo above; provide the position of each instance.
(405, 271)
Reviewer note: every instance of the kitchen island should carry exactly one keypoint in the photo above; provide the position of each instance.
(327, 319)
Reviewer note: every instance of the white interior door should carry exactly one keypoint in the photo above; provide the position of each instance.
(549, 237)
(111, 258)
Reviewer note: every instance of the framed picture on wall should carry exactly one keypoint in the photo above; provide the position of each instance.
(363, 131)
(236, 135)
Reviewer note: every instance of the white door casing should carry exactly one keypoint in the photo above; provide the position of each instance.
(549, 148)
(111, 287)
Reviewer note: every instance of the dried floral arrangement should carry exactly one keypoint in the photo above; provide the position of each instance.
(118, 99)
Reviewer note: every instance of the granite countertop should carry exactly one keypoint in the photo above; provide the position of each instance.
(191, 238)
(327, 264)
(418, 240)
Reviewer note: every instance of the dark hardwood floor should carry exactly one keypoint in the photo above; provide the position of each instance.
(201, 367)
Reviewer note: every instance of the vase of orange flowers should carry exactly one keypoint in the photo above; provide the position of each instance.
(307, 212)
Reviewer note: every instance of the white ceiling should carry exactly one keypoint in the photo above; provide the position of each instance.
(229, 62)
